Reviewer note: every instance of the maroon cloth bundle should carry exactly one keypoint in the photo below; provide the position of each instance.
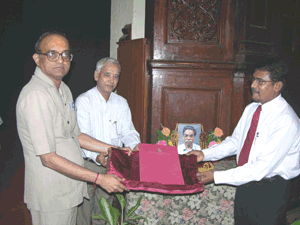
(128, 167)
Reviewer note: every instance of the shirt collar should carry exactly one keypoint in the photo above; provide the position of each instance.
(111, 96)
(185, 149)
(38, 73)
(271, 105)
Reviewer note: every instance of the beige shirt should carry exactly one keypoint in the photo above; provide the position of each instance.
(47, 123)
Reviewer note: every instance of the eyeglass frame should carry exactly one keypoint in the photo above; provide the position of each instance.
(260, 81)
(59, 54)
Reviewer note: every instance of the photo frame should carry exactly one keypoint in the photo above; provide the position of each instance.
(187, 138)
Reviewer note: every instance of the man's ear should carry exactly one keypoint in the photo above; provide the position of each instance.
(36, 58)
(278, 86)
(96, 75)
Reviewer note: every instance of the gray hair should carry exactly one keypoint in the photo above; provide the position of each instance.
(102, 61)
(188, 127)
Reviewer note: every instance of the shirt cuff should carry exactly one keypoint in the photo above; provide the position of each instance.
(93, 157)
(207, 154)
(132, 146)
(219, 177)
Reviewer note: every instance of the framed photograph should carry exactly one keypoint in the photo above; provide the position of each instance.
(189, 137)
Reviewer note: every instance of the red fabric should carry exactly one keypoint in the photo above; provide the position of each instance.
(244, 155)
(128, 167)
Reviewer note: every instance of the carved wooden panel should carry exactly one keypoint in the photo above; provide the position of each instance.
(186, 93)
(193, 21)
(193, 30)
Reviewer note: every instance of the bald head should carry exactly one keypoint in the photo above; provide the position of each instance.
(53, 43)
(44, 36)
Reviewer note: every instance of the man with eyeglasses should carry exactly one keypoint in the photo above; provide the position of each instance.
(266, 142)
(189, 133)
(51, 139)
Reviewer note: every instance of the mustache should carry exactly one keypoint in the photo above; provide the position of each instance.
(254, 91)
(188, 141)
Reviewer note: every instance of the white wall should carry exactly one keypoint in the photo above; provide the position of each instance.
(138, 21)
(125, 12)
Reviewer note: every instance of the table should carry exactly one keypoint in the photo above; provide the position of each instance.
(212, 206)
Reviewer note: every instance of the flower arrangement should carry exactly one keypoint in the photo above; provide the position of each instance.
(167, 137)
(214, 137)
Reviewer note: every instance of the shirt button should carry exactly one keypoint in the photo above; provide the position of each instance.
(65, 103)
(68, 122)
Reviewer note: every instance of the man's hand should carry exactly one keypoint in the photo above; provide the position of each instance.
(199, 154)
(127, 149)
(136, 148)
(111, 183)
(206, 177)
(101, 158)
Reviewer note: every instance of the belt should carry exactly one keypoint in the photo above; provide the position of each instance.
(89, 160)
(271, 179)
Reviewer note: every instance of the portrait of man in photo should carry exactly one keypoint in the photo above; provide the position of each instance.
(189, 138)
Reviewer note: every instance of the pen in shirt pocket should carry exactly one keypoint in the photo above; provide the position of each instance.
(115, 123)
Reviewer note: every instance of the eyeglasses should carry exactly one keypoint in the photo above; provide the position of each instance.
(259, 81)
(53, 56)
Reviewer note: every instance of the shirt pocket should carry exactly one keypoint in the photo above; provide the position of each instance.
(73, 120)
(259, 143)
(59, 125)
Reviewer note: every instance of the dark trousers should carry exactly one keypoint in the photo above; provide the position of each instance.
(91, 207)
(263, 202)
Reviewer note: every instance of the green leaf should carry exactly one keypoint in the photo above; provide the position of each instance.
(134, 207)
(132, 222)
(159, 134)
(143, 218)
(116, 215)
(98, 217)
(162, 127)
(122, 201)
(107, 210)
(134, 217)
(137, 217)
(210, 138)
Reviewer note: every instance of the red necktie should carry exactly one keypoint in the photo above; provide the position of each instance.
(243, 158)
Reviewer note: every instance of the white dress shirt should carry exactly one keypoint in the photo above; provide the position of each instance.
(182, 150)
(275, 149)
(109, 122)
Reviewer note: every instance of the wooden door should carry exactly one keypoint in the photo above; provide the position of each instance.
(134, 82)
